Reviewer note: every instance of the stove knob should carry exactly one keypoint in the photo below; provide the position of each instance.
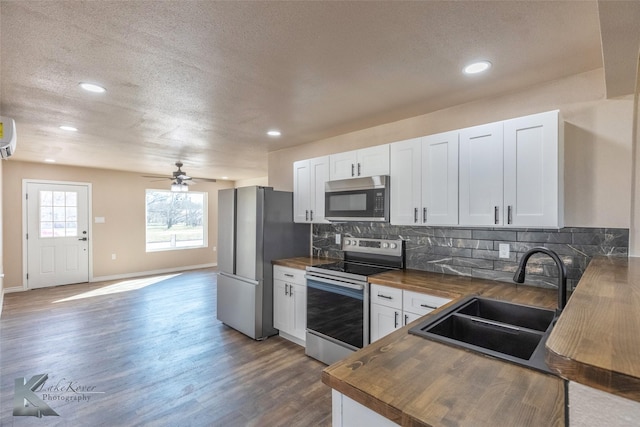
(347, 242)
(385, 245)
(354, 242)
(393, 246)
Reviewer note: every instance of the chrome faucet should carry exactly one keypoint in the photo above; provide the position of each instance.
(562, 274)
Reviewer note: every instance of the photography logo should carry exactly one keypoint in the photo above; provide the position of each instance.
(25, 402)
(31, 397)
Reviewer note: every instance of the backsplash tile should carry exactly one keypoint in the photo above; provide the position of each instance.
(474, 251)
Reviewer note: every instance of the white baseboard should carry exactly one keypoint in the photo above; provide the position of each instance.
(1, 301)
(126, 276)
(151, 273)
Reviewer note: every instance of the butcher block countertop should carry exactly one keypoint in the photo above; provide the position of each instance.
(597, 339)
(418, 382)
(302, 262)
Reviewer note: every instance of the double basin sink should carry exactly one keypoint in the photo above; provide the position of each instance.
(512, 332)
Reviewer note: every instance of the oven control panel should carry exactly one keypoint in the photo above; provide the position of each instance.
(374, 246)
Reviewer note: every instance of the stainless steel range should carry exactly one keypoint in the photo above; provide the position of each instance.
(338, 297)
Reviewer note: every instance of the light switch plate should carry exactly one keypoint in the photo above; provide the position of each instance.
(338, 238)
(504, 250)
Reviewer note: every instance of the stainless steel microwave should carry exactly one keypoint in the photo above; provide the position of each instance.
(357, 199)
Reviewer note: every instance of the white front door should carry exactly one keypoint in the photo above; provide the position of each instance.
(57, 234)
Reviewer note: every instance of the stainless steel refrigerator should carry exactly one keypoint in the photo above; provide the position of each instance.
(255, 227)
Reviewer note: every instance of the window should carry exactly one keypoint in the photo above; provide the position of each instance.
(58, 214)
(176, 220)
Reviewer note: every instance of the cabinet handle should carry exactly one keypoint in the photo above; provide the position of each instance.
(306, 215)
(415, 214)
(424, 215)
(384, 296)
(290, 290)
(496, 214)
(406, 319)
(311, 217)
(428, 306)
(395, 319)
(286, 289)
(288, 274)
(509, 214)
(358, 169)
(353, 167)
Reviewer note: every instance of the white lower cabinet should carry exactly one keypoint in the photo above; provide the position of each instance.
(393, 308)
(290, 303)
(346, 412)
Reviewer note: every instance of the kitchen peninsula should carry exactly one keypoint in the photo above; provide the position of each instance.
(417, 382)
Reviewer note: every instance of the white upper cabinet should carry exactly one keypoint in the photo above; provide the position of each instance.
(360, 163)
(481, 166)
(309, 177)
(511, 173)
(533, 178)
(440, 179)
(301, 190)
(424, 180)
(406, 175)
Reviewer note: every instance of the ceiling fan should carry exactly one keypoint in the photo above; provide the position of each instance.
(180, 179)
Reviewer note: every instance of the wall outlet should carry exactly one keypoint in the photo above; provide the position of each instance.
(338, 238)
(215, 249)
(504, 250)
(113, 257)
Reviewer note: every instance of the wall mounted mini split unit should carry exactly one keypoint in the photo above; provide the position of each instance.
(7, 137)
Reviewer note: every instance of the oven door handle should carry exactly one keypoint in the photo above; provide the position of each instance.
(334, 282)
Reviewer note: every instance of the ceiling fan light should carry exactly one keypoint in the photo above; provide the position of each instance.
(179, 187)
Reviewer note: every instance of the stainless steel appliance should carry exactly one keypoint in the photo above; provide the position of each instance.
(255, 227)
(357, 199)
(338, 297)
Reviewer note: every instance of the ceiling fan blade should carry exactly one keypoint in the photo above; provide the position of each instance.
(156, 176)
(206, 179)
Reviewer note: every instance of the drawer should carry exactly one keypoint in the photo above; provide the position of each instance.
(384, 295)
(421, 304)
(289, 275)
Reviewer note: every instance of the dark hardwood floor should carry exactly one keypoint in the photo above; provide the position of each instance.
(151, 355)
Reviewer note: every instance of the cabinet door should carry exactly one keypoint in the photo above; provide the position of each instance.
(281, 305)
(532, 182)
(405, 171)
(384, 320)
(409, 317)
(343, 165)
(481, 166)
(373, 161)
(319, 168)
(440, 179)
(301, 189)
(298, 313)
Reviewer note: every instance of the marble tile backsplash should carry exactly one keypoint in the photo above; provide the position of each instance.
(474, 251)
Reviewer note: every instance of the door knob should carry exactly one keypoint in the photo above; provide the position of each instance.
(84, 239)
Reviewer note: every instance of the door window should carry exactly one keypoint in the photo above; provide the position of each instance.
(58, 214)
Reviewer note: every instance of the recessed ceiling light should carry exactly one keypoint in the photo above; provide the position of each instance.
(225, 177)
(90, 87)
(477, 67)
(49, 160)
(274, 132)
(69, 128)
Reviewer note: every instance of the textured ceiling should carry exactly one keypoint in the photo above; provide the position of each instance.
(202, 81)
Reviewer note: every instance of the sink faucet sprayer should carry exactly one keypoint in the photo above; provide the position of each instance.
(562, 274)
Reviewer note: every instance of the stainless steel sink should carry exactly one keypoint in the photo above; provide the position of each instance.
(513, 332)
